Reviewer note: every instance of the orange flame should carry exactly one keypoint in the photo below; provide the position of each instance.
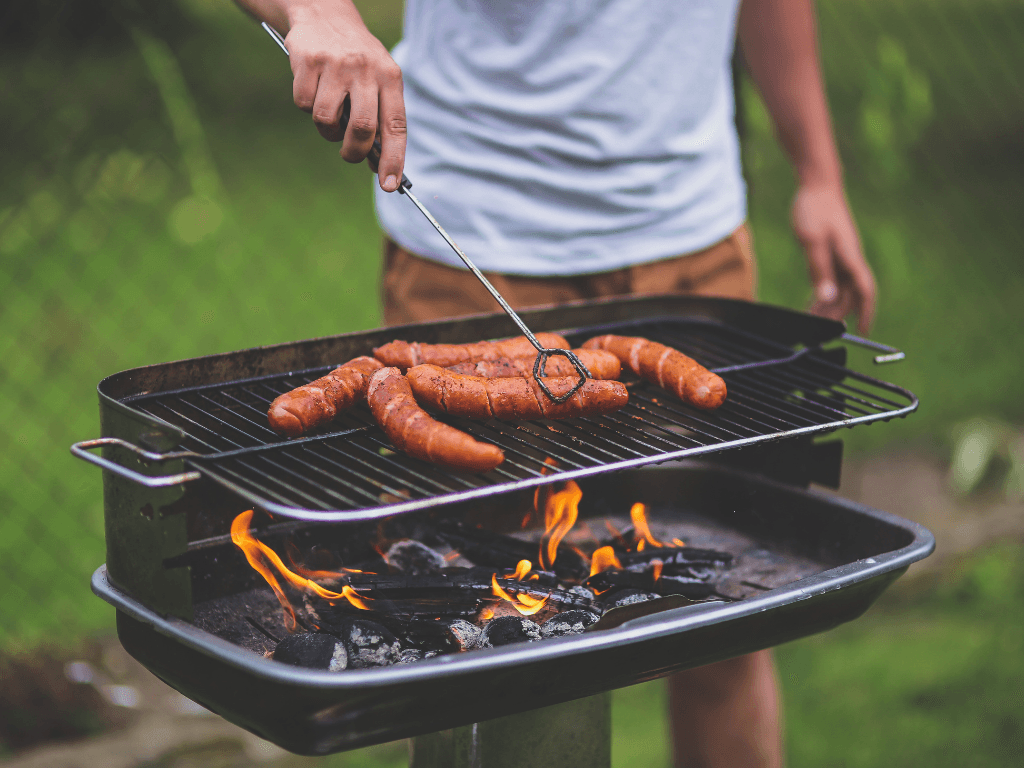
(524, 567)
(656, 568)
(525, 604)
(679, 542)
(560, 515)
(604, 558)
(639, 517)
(256, 550)
(251, 549)
(486, 614)
(614, 532)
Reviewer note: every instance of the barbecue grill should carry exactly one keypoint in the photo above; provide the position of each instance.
(186, 448)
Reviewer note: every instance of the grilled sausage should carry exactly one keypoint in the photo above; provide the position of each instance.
(602, 365)
(404, 354)
(512, 398)
(412, 430)
(668, 368)
(316, 403)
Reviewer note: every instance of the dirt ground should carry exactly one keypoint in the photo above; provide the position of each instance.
(156, 727)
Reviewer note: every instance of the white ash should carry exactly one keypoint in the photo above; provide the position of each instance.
(568, 623)
(581, 591)
(466, 634)
(623, 597)
(410, 655)
(416, 559)
(371, 645)
(339, 659)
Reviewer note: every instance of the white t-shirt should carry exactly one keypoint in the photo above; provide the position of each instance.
(559, 137)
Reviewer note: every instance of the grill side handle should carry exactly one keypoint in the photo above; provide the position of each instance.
(891, 353)
(81, 450)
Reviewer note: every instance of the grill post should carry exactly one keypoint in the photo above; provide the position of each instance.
(576, 734)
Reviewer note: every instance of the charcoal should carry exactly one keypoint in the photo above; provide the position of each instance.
(568, 623)
(675, 557)
(505, 630)
(415, 559)
(582, 593)
(314, 651)
(464, 633)
(695, 589)
(370, 644)
(620, 597)
(496, 550)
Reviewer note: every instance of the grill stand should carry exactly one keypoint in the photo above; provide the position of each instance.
(576, 734)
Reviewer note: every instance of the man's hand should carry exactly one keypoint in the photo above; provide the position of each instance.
(334, 57)
(779, 40)
(842, 280)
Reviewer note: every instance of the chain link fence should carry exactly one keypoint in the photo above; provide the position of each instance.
(163, 199)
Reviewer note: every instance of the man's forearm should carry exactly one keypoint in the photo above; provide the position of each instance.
(281, 14)
(779, 41)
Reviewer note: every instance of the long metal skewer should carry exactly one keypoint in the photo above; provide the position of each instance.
(540, 364)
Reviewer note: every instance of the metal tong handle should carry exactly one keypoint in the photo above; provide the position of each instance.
(81, 450)
(891, 356)
(540, 364)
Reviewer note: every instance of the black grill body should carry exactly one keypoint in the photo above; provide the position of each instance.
(196, 452)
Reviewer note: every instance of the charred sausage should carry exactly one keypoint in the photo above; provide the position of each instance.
(316, 403)
(670, 369)
(512, 398)
(602, 365)
(412, 430)
(404, 354)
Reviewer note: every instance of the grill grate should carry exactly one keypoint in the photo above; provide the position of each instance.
(351, 473)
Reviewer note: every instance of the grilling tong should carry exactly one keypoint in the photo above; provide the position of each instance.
(403, 189)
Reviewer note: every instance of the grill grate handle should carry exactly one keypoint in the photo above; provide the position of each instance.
(81, 450)
(540, 364)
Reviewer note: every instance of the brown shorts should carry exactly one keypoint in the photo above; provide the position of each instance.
(417, 289)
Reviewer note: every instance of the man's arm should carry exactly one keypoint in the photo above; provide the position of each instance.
(334, 56)
(779, 40)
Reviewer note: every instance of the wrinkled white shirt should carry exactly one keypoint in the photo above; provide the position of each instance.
(559, 137)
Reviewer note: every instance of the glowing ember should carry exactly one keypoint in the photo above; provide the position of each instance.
(560, 515)
(256, 551)
(524, 604)
(639, 517)
(486, 614)
(604, 558)
(679, 542)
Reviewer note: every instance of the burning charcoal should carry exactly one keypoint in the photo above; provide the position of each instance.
(467, 635)
(621, 597)
(315, 651)
(409, 655)
(415, 559)
(582, 592)
(567, 623)
(675, 557)
(505, 630)
(370, 644)
(496, 550)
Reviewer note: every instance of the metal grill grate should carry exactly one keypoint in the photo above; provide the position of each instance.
(351, 473)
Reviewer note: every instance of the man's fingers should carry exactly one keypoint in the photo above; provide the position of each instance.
(362, 125)
(304, 87)
(392, 131)
(327, 107)
(822, 269)
(861, 281)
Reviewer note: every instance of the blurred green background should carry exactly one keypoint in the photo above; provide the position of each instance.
(162, 198)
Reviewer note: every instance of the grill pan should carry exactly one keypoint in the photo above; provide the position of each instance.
(857, 552)
(782, 384)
